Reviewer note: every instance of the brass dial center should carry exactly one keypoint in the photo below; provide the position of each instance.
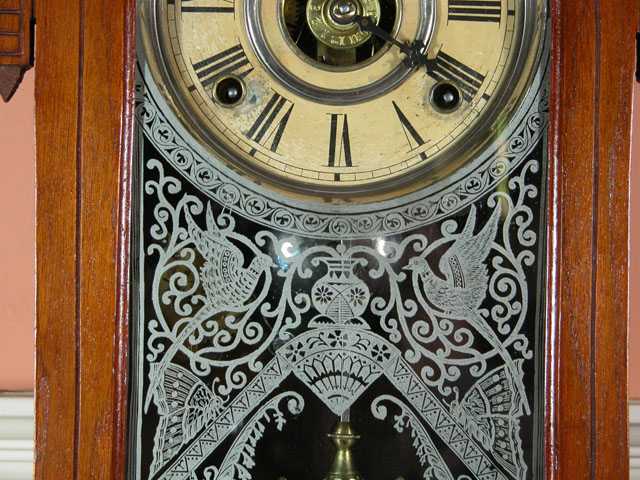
(332, 21)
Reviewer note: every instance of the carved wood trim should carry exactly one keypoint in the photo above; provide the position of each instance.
(15, 44)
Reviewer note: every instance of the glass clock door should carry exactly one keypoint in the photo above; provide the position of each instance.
(338, 240)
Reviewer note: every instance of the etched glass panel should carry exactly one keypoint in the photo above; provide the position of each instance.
(259, 323)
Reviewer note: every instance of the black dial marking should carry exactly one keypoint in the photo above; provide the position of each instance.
(217, 6)
(339, 155)
(231, 61)
(268, 128)
(410, 132)
(448, 68)
(474, 10)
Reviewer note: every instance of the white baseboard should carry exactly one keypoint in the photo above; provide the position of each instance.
(16, 436)
(634, 440)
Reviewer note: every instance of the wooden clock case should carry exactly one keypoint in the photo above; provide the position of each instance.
(85, 53)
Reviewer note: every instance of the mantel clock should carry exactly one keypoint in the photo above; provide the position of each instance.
(358, 239)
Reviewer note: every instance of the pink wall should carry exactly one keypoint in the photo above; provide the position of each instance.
(17, 240)
(17, 244)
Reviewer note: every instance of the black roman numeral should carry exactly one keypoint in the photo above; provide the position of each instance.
(448, 68)
(413, 137)
(339, 150)
(474, 10)
(231, 61)
(268, 128)
(211, 6)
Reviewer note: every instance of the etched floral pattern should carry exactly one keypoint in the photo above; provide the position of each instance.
(320, 300)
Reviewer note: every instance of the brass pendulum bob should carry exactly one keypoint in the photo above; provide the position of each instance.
(343, 437)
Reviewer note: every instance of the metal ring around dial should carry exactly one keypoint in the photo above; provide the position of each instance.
(472, 150)
(274, 51)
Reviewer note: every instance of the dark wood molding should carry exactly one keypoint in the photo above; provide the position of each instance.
(83, 152)
(593, 62)
(15, 44)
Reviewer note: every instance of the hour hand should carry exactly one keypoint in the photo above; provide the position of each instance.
(413, 52)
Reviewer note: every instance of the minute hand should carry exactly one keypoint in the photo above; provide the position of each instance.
(412, 52)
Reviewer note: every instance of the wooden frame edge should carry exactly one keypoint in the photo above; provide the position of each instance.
(84, 126)
(592, 63)
(124, 238)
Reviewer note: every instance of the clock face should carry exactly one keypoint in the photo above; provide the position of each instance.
(303, 98)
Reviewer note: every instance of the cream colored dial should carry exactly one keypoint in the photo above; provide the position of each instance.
(350, 120)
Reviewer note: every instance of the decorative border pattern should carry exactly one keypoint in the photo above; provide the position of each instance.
(344, 221)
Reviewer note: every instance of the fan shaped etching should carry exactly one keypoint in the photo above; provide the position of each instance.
(338, 365)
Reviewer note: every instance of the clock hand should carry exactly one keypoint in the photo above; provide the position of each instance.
(412, 52)
(367, 24)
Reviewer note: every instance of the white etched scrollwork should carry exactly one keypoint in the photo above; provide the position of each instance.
(239, 459)
(185, 405)
(233, 312)
(489, 412)
(337, 364)
(464, 288)
(426, 451)
(204, 290)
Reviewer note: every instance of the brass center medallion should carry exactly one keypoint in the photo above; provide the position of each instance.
(331, 21)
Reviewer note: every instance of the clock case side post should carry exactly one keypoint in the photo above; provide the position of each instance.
(84, 96)
(592, 61)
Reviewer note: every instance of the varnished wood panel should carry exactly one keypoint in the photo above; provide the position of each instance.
(56, 129)
(591, 91)
(84, 93)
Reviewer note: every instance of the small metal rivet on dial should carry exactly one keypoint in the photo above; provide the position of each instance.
(343, 11)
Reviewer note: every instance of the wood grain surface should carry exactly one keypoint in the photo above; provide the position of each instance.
(84, 95)
(593, 61)
(84, 91)
(15, 44)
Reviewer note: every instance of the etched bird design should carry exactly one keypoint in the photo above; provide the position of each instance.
(464, 287)
(227, 284)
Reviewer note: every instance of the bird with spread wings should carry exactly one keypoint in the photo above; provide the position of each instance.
(228, 285)
(459, 295)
